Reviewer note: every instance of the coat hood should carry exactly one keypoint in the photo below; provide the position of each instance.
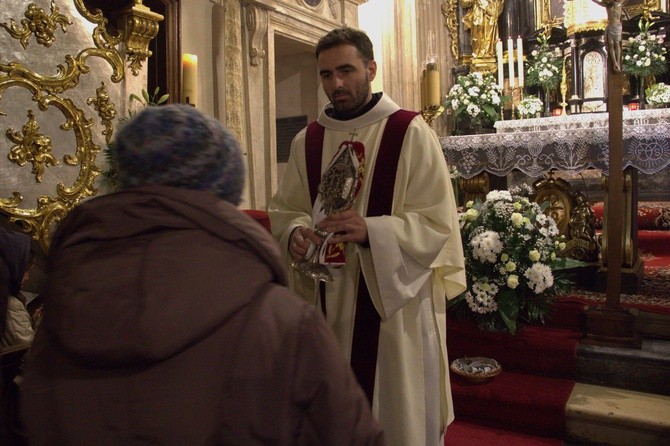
(140, 275)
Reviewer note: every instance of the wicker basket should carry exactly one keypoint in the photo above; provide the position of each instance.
(476, 369)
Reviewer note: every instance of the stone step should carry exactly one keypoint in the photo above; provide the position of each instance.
(612, 416)
(644, 370)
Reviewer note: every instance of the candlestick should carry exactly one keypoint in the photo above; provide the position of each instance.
(510, 62)
(190, 79)
(519, 56)
(424, 90)
(501, 74)
(432, 84)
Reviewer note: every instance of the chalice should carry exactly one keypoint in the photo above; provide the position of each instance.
(337, 192)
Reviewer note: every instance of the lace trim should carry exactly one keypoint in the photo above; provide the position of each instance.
(573, 142)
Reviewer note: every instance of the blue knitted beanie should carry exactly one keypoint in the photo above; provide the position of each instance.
(177, 145)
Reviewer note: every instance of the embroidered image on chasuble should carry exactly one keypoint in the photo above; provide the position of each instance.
(413, 263)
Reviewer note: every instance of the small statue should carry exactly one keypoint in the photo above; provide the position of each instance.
(482, 21)
(613, 30)
(582, 219)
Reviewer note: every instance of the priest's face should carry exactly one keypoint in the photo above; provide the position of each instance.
(346, 78)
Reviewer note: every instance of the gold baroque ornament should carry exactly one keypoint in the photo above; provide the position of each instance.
(50, 210)
(140, 25)
(106, 110)
(68, 77)
(31, 146)
(450, 13)
(38, 22)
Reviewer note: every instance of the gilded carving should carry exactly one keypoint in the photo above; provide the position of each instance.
(39, 23)
(68, 77)
(106, 110)
(450, 13)
(140, 25)
(31, 146)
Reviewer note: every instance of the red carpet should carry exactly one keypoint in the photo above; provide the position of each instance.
(461, 433)
(525, 404)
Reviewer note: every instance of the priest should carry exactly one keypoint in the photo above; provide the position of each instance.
(394, 251)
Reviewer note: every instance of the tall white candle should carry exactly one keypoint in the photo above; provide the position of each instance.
(501, 73)
(519, 56)
(432, 84)
(190, 79)
(510, 62)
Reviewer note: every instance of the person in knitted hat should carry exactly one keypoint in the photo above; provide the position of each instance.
(167, 317)
(178, 146)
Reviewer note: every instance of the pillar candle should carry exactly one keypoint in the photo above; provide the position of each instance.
(501, 73)
(519, 55)
(510, 62)
(432, 85)
(190, 79)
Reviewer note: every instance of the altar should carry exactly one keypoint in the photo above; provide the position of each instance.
(573, 143)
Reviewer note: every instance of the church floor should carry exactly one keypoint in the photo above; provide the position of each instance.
(618, 417)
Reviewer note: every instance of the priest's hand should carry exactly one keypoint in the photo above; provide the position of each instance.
(348, 226)
(303, 241)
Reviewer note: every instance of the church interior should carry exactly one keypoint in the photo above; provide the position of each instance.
(566, 107)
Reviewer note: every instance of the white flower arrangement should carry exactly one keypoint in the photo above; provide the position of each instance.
(644, 54)
(530, 106)
(658, 94)
(545, 66)
(476, 95)
(511, 249)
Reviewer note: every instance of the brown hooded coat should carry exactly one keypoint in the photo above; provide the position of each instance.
(167, 322)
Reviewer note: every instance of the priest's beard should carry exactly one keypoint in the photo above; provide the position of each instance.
(357, 99)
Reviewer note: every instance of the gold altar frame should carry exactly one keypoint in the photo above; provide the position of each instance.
(53, 95)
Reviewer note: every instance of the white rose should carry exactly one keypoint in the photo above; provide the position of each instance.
(534, 255)
(513, 281)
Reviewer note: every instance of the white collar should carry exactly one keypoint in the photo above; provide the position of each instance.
(385, 107)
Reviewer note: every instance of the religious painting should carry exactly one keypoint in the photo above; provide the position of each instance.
(548, 12)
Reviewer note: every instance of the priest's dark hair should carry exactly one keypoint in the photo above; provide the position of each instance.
(347, 36)
(177, 145)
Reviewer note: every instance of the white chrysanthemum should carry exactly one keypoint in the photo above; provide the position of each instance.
(486, 246)
(473, 109)
(496, 195)
(539, 277)
(482, 298)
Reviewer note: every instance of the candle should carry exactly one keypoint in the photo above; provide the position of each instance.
(519, 56)
(432, 85)
(510, 62)
(190, 79)
(501, 74)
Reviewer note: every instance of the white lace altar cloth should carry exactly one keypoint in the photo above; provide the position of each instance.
(572, 142)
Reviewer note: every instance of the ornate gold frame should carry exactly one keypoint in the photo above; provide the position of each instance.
(28, 144)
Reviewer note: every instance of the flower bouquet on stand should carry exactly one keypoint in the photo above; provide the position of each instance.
(511, 257)
(545, 68)
(643, 56)
(658, 95)
(530, 107)
(476, 100)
